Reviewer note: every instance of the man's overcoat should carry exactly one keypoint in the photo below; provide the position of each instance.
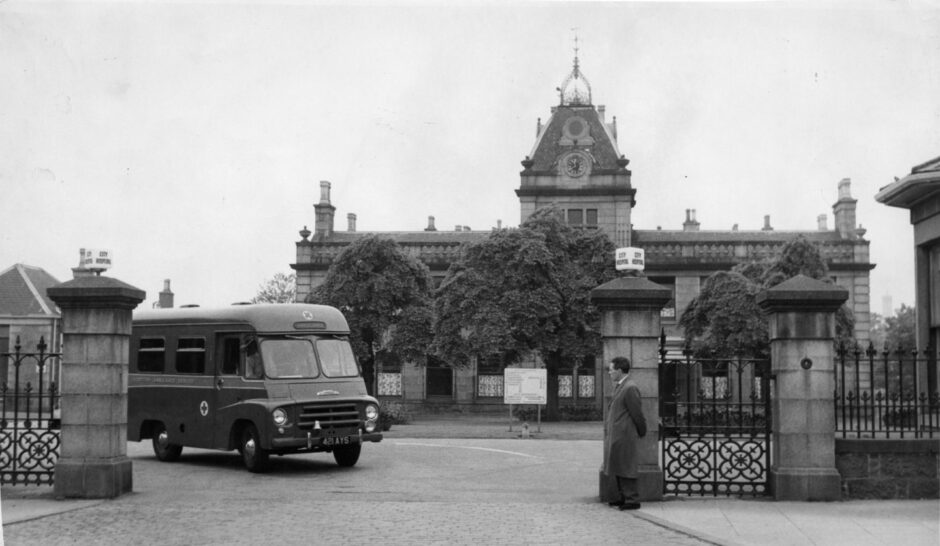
(623, 429)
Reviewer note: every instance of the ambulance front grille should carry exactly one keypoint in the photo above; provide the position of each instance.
(329, 415)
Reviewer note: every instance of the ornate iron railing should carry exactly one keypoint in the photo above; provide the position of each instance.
(715, 424)
(29, 426)
(886, 394)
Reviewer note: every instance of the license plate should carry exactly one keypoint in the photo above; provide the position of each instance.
(337, 441)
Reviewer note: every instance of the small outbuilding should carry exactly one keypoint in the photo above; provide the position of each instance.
(919, 192)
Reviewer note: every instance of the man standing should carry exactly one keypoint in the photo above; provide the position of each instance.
(624, 427)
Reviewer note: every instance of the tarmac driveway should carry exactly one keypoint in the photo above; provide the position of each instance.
(403, 491)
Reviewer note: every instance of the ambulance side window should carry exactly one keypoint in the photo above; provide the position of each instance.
(191, 355)
(230, 353)
(254, 368)
(150, 355)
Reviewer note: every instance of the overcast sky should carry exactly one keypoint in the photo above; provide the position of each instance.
(190, 138)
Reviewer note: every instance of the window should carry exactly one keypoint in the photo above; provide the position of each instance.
(150, 355)
(4, 347)
(336, 358)
(231, 355)
(191, 355)
(289, 358)
(492, 364)
(933, 284)
(590, 219)
(439, 378)
(575, 217)
(440, 381)
(490, 376)
(668, 312)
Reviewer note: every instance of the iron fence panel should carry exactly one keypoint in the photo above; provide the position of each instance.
(881, 394)
(30, 438)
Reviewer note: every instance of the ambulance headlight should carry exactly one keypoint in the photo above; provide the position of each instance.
(372, 413)
(280, 416)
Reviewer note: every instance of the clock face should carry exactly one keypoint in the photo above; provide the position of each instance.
(575, 165)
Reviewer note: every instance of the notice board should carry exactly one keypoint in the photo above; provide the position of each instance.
(525, 386)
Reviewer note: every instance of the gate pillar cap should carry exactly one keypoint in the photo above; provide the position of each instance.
(802, 293)
(96, 291)
(631, 292)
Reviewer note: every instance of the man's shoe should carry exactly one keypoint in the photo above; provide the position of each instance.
(630, 506)
(618, 504)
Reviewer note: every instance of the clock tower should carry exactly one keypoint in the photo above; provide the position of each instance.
(576, 165)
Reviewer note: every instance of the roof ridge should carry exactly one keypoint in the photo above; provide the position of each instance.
(32, 287)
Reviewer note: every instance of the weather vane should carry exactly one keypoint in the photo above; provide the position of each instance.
(575, 30)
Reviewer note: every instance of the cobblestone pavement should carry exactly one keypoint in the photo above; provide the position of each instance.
(417, 491)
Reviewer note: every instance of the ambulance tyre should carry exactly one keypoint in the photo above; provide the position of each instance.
(162, 448)
(254, 456)
(347, 455)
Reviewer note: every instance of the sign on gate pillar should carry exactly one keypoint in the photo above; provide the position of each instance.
(96, 326)
(630, 326)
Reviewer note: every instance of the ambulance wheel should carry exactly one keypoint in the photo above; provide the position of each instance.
(162, 448)
(347, 455)
(254, 456)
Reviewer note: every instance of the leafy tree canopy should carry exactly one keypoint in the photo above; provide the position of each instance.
(385, 296)
(724, 319)
(901, 329)
(279, 289)
(523, 290)
(798, 257)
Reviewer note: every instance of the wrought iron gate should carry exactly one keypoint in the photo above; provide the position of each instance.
(30, 424)
(715, 424)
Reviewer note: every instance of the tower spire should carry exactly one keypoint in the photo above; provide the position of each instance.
(575, 90)
(575, 29)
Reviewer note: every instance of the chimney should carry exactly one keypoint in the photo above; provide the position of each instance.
(600, 111)
(821, 223)
(499, 224)
(166, 296)
(767, 226)
(690, 224)
(351, 222)
(844, 210)
(430, 224)
(324, 212)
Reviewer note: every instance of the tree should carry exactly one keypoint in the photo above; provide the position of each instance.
(724, 320)
(801, 257)
(525, 290)
(384, 295)
(279, 289)
(798, 257)
(901, 329)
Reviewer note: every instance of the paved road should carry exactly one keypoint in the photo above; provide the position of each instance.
(403, 491)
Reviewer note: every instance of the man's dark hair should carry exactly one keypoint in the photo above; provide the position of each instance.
(621, 363)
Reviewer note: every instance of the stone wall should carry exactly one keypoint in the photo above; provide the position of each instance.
(889, 468)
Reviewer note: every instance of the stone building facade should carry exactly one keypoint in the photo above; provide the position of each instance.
(576, 165)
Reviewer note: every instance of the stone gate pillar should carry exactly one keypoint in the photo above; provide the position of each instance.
(630, 325)
(801, 328)
(96, 324)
